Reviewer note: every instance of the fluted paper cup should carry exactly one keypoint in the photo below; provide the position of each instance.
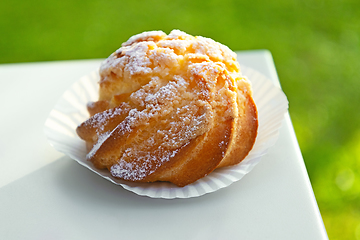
(71, 110)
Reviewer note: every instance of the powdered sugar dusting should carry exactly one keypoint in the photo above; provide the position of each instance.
(174, 124)
(138, 63)
(101, 139)
(173, 84)
(155, 53)
(144, 165)
(145, 36)
(177, 34)
(99, 120)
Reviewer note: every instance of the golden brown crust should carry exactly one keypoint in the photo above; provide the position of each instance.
(197, 159)
(244, 135)
(171, 108)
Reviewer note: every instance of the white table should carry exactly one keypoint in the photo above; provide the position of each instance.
(46, 195)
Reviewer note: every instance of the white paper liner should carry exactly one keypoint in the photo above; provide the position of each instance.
(70, 111)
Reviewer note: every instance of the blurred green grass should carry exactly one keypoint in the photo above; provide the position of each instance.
(315, 45)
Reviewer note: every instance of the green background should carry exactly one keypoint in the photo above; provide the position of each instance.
(315, 46)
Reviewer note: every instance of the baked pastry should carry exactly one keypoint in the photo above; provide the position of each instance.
(171, 108)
